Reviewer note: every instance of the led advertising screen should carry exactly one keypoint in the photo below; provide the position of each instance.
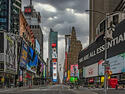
(117, 64)
(74, 71)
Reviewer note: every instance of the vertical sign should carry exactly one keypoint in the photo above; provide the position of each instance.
(54, 62)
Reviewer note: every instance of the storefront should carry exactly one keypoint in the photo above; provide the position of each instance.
(95, 53)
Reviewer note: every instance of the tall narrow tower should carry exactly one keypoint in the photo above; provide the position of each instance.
(53, 55)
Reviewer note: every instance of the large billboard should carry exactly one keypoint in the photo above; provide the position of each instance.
(95, 51)
(24, 55)
(117, 64)
(10, 45)
(32, 60)
(54, 61)
(92, 70)
(74, 72)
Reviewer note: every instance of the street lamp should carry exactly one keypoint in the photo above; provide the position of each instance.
(107, 36)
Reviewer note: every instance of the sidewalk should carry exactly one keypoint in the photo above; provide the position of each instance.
(21, 88)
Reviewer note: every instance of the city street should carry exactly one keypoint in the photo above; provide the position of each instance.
(56, 89)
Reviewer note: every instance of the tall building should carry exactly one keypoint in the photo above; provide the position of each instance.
(67, 46)
(106, 6)
(73, 48)
(34, 19)
(53, 55)
(9, 15)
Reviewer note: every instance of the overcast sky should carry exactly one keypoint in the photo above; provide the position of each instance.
(61, 15)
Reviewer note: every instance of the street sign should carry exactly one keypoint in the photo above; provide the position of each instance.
(106, 64)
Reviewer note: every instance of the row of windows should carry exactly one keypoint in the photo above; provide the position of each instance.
(102, 26)
(1, 42)
(3, 19)
(3, 13)
(34, 26)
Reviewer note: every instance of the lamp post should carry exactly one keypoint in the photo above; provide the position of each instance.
(106, 37)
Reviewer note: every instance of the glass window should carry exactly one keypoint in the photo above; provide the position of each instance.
(115, 19)
(3, 20)
(102, 27)
(1, 42)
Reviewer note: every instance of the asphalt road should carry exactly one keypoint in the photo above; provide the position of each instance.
(56, 89)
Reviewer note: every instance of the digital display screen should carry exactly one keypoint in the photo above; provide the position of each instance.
(27, 10)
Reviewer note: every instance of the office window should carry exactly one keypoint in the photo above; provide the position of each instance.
(3, 20)
(102, 27)
(1, 42)
(115, 19)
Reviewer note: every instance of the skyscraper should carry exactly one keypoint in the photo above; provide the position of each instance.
(34, 19)
(106, 6)
(73, 48)
(53, 55)
(9, 15)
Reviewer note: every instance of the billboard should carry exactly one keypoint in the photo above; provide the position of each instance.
(54, 52)
(117, 64)
(10, 45)
(37, 46)
(92, 70)
(24, 54)
(54, 71)
(32, 60)
(74, 72)
(95, 51)
(54, 61)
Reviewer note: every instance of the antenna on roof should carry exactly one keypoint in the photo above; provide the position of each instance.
(30, 2)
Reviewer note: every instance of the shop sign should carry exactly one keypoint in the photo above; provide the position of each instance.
(68, 74)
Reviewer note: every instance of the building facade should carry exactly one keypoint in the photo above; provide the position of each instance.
(53, 56)
(34, 19)
(9, 15)
(73, 47)
(91, 59)
(106, 6)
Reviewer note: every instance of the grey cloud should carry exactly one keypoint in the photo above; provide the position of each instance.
(64, 21)
(78, 5)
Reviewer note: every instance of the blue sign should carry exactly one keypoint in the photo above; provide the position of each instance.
(54, 80)
(117, 64)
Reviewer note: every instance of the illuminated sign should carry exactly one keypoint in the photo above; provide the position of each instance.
(27, 10)
(54, 54)
(53, 45)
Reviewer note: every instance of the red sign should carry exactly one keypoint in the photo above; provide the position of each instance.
(91, 80)
(28, 75)
(53, 45)
(54, 60)
(27, 10)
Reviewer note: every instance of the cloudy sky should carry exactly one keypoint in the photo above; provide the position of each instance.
(61, 15)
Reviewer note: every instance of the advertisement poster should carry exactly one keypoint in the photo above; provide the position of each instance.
(117, 64)
(54, 71)
(92, 70)
(74, 71)
(11, 54)
(23, 59)
(54, 53)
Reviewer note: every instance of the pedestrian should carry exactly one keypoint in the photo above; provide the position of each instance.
(116, 87)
